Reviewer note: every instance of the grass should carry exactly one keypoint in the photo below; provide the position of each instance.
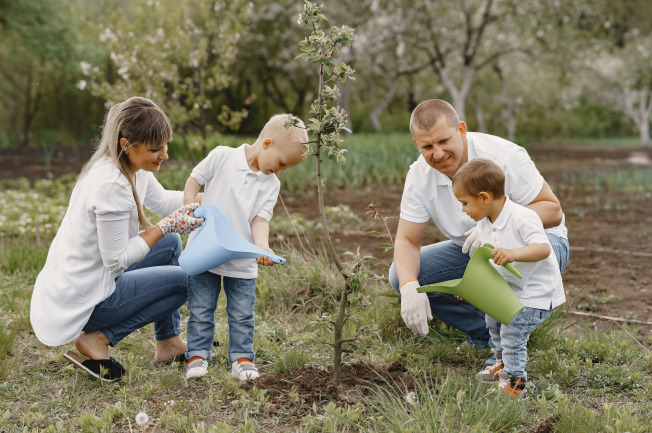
(598, 382)
(595, 382)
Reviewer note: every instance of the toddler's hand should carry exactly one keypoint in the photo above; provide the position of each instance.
(502, 256)
(180, 221)
(459, 298)
(264, 260)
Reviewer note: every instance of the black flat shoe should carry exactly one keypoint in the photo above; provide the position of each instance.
(107, 370)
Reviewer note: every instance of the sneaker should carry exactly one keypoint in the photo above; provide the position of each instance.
(197, 367)
(243, 369)
(511, 386)
(490, 372)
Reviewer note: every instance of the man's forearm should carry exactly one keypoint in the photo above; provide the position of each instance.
(549, 212)
(406, 261)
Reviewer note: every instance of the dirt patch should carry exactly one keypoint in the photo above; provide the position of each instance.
(298, 390)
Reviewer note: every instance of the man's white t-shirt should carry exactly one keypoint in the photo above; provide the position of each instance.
(240, 194)
(428, 194)
(96, 241)
(516, 227)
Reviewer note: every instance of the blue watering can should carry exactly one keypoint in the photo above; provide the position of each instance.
(217, 243)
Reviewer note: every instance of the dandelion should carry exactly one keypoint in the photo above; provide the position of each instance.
(141, 418)
(411, 397)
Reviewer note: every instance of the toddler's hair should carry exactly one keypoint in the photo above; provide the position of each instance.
(480, 175)
(429, 112)
(275, 128)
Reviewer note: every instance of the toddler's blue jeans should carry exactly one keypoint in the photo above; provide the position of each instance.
(204, 291)
(511, 340)
(151, 290)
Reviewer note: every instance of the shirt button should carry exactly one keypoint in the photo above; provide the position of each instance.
(246, 182)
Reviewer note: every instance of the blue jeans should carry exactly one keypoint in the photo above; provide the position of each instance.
(151, 290)
(511, 340)
(203, 295)
(445, 261)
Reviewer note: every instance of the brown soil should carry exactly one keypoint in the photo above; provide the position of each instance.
(300, 389)
(608, 273)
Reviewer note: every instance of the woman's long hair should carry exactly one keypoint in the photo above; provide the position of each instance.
(142, 123)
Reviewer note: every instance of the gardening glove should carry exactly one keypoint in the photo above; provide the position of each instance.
(472, 241)
(415, 308)
(180, 221)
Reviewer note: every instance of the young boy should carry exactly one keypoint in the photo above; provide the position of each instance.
(517, 233)
(242, 183)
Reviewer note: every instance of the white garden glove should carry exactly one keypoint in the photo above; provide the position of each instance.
(415, 308)
(472, 241)
(180, 221)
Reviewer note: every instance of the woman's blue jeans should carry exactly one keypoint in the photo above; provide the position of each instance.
(445, 261)
(151, 290)
(204, 291)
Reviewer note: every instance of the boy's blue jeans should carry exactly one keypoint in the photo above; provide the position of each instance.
(511, 340)
(445, 261)
(204, 291)
(151, 290)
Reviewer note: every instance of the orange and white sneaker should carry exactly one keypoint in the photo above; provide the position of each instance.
(490, 372)
(244, 369)
(511, 386)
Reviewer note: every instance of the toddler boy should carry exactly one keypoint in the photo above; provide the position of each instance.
(518, 236)
(242, 183)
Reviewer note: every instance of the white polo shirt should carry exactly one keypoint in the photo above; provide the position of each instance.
(516, 227)
(428, 194)
(240, 194)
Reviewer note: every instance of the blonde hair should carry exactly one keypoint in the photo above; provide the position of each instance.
(142, 123)
(480, 175)
(275, 128)
(428, 113)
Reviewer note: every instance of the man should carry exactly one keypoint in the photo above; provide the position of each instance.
(445, 145)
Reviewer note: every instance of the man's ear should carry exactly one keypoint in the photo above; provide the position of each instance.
(267, 142)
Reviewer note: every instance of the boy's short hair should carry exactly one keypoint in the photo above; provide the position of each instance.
(275, 128)
(480, 175)
(428, 113)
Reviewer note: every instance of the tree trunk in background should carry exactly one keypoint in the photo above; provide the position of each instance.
(375, 110)
(479, 118)
(638, 106)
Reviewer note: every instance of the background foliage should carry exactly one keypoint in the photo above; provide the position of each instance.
(218, 66)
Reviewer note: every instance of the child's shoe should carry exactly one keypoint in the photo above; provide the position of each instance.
(511, 386)
(243, 369)
(197, 367)
(490, 372)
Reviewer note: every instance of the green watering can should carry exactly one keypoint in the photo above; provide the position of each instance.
(484, 287)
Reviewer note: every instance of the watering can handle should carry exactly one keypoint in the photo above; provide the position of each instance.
(507, 265)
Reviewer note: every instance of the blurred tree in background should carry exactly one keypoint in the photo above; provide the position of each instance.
(528, 70)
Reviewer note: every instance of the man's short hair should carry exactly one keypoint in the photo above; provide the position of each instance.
(275, 129)
(479, 175)
(428, 113)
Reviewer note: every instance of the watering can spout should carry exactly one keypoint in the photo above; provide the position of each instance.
(217, 243)
(484, 287)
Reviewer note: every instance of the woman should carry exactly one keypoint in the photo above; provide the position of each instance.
(103, 277)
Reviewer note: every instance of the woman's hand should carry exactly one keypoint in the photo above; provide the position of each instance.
(180, 221)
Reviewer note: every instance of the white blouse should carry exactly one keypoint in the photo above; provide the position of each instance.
(96, 241)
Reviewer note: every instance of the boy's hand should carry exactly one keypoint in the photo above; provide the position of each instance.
(502, 256)
(264, 260)
(459, 298)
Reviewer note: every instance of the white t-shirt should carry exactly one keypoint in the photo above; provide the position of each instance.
(96, 241)
(516, 227)
(428, 194)
(240, 194)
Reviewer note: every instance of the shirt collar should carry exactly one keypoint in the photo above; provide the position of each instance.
(241, 161)
(502, 219)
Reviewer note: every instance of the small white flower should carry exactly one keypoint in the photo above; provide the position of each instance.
(411, 397)
(141, 418)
